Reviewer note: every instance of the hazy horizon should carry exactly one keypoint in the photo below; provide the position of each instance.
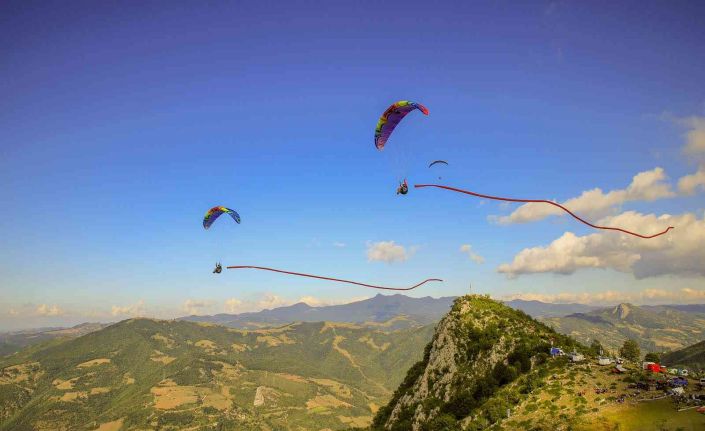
(74, 321)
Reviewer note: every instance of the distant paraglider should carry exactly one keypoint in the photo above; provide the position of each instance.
(218, 268)
(215, 212)
(437, 162)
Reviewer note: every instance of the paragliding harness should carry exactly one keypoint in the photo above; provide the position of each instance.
(218, 268)
(403, 188)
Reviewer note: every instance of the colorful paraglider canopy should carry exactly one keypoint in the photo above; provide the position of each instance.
(391, 117)
(215, 212)
(438, 161)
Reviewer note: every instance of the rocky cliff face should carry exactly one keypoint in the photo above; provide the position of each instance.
(479, 346)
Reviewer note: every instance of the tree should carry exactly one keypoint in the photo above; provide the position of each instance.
(630, 351)
(442, 422)
(653, 357)
(596, 348)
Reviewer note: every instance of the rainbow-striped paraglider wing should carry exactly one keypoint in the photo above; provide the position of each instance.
(215, 212)
(391, 117)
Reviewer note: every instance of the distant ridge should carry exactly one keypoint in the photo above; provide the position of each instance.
(545, 309)
(11, 342)
(407, 311)
(396, 310)
(655, 328)
(691, 356)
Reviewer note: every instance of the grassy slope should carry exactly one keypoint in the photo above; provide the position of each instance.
(692, 357)
(567, 400)
(312, 373)
(654, 330)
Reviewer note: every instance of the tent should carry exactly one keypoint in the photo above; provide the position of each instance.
(555, 351)
(677, 391)
(604, 361)
(654, 368)
(577, 357)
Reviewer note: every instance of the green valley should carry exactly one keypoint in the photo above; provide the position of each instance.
(150, 374)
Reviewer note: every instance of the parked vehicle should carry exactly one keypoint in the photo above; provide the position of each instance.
(678, 381)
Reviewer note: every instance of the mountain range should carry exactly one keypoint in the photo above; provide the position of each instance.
(656, 328)
(545, 309)
(393, 311)
(482, 359)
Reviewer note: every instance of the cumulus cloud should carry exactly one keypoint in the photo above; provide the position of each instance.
(695, 136)
(133, 310)
(680, 252)
(265, 301)
(387, 251)
(196, 306)
(645, 186)
(689, 184)
(467, 249)
(233, 305)
(49, 310)
(646, 296)
(272, 301)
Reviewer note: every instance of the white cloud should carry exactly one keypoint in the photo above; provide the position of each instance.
(233, 305)
(133, 310)
(689, 184)
(339, 244)
(467, 249)
(695, 136)
(645, 186)
(272, 301)
(387, 251)
(49, 310)
(265, 301)
(196, 306)
(647, 296)
(680, 252)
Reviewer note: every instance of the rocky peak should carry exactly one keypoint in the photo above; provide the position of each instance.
(622, 311)
(478, 346)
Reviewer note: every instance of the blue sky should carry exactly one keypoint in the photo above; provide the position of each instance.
(121, 124)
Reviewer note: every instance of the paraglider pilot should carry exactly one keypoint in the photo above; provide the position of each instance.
(403, 188)
(218, 268)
